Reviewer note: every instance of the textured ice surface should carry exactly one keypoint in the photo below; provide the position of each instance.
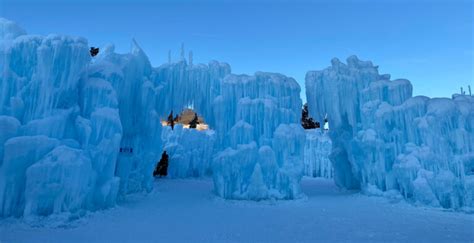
(384, 137)
(259, 128)
(9, 30)
(190, 151)
(80, 133)
(63, 120)
(316, 154)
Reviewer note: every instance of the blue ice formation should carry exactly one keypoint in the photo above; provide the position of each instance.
(384, 139)
(190, 151)
(316, 154)
(65, 118)
(259, 128)
(80, 133)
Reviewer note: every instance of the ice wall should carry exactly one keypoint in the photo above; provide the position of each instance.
(189, 85)
(316, 154)
(190, 151)
(79, 133)
(64, 118)
(260, 153)
(384, 137)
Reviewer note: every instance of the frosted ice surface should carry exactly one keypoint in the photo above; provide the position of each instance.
(66, 116)
(190, 151)
(316, 154)
(79, 133)
(259, 128)
(382, 136)
(10, 30)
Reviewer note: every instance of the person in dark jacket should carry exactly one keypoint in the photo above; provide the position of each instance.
(194, 122)
(162, 166)
(94, 51)
(171, 120)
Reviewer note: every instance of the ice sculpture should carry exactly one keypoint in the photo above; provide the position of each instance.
(191, 151)
(316, 154)
(384, 137)
(64, 119)
(79, 133)
(259, 128)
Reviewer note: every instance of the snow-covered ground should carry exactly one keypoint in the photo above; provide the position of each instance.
(186, 210)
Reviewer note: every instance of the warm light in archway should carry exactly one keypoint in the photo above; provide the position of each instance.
(199, 127)
(185, 118)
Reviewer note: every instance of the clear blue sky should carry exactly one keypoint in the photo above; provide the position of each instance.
(428, 42)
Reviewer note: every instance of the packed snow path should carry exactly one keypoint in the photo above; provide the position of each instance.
(185, 210)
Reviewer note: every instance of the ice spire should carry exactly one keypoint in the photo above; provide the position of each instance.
(10, 30)
(135, 48)
(469, 88)
(190, 59)
(182, 51)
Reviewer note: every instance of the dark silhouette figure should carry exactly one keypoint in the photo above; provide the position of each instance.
(94, 51)
(171, 120)
(306, 121)
(194, 122)
(162, 166)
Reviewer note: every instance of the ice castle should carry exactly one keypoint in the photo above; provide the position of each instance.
(64, 117)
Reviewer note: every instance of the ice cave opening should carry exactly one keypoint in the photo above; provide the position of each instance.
(188, 118)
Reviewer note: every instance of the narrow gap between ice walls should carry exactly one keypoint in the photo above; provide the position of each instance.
(318, 146)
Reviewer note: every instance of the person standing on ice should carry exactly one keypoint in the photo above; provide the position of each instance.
(194, 122)
(171, 120)
(94, 51)
(326, 123)
(162, 166)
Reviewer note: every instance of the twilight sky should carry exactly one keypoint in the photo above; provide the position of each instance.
(428, 42)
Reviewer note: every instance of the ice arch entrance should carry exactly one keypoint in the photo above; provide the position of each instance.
(188, 118)
(181, 85)
(190, 150)
(256, 147)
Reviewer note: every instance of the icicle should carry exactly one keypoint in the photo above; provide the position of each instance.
(190, 59)
(169, 56)
(182, 51)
